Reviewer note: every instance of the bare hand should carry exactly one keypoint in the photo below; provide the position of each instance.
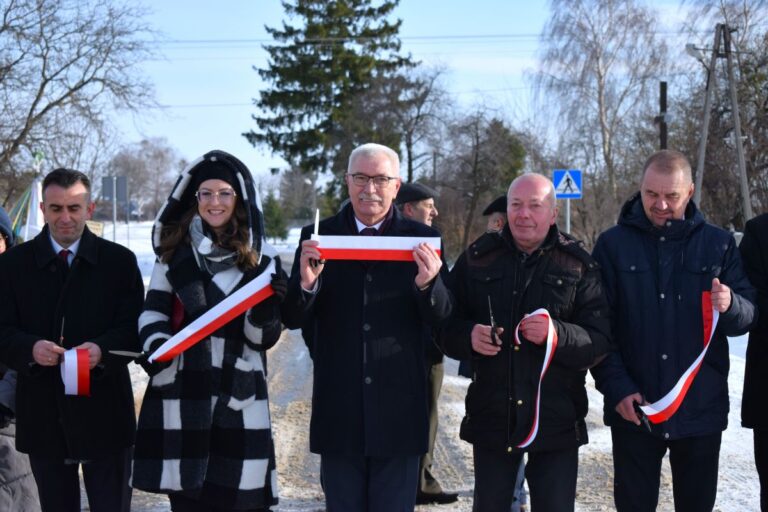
(429, 264)
(94, 353)
(626, 407)
(310, 264)
(534, 329)
(721, 296)
(47, 353)
(482, 342)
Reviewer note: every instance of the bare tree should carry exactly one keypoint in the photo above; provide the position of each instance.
(399, 111)
(151, 167)
(66, 63)
(599, 60)
(486, 156)
(748, 25)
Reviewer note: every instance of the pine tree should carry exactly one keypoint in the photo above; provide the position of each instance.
(274, 222)
(315, 70)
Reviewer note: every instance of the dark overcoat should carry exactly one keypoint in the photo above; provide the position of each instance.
(97, 300)
(366, 336)
(754, 254)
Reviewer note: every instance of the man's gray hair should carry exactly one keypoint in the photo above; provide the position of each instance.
(371, 149)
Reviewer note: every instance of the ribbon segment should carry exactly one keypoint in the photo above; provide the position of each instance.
(75, 372)
(664, 408)
(548, 355)
(379, 248)
(222, 313)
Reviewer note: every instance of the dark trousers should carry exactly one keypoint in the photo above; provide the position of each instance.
(106, 483)
(369, 484)
(427, 482)
(637, 458)
(761, 463)
(551, 479)
(181, 503)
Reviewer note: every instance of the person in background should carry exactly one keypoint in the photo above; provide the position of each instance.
(498, 283)
(18, 491)
(657, 262)
(496, 213)
(67, 288)
(754, 255)
(417, 202)
(369, 415)
(204, 435)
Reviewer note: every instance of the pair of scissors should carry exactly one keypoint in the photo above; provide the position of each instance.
(494, 337)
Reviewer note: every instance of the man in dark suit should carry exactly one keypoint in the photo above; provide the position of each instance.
(66, 289)
(366, 322)
(416, 201)
(754, 255)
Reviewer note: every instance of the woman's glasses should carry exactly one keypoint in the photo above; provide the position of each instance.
(226, 196)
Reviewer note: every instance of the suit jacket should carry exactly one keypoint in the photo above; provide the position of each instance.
(366, 330)
(98, 299)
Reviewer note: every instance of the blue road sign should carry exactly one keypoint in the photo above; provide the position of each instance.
(567, 183)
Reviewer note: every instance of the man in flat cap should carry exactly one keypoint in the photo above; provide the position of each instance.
(496, 213)
(417, 202)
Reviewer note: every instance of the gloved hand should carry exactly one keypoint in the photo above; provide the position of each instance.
(267, 310)
(280, 286)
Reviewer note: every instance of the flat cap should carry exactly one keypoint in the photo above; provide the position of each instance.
(410, 192)
(497, 205)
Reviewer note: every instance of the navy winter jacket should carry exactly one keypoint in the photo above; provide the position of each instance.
(654, 279)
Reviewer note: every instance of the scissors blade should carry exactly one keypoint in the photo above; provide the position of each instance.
(125, 353)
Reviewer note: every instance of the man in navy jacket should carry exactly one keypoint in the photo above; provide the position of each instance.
(656, 263)
(365, 322)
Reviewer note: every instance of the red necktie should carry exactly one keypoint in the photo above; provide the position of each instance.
(64, 256)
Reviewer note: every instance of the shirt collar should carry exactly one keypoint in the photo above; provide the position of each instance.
(361, 226)
(58, 248)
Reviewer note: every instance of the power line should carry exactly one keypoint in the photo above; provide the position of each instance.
(169, 106)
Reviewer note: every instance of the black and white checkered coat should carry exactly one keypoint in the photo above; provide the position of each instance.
(204, 427)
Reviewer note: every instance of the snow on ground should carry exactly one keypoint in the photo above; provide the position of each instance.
(290, 387)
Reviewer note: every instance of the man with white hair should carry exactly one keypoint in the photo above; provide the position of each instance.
(365, 321)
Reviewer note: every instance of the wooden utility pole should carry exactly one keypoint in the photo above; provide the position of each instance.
(661, 119)
(745, 199)
(723, 33)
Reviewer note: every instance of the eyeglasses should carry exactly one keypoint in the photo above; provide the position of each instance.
(226, 196)
(362, 180)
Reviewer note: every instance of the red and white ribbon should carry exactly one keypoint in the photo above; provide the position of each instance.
(222, 313)
(381, 248)
(548, 355)
(664, 408)
(75, 372)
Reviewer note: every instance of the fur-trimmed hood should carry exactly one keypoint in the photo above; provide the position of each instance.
(183, 195)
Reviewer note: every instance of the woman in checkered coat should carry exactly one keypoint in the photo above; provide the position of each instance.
(204, 435)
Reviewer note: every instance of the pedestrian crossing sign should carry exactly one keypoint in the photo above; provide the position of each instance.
(567, 183)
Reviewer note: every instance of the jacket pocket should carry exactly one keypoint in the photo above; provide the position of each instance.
(558, 292)
(702, 268)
